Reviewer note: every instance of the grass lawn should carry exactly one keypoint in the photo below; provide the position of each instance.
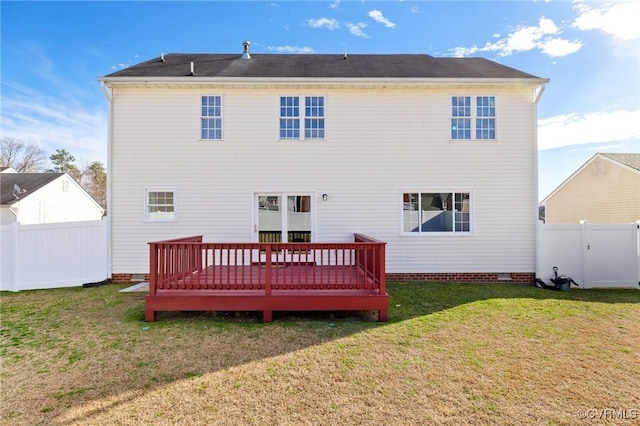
(450, 354)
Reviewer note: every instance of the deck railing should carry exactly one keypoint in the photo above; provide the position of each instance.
(190, 264)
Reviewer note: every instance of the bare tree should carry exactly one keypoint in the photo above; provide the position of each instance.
(24, 158)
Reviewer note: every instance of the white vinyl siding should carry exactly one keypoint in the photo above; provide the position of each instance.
(383, 141)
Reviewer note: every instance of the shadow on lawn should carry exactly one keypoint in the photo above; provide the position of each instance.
(199, 343)
(407, 300)
(410, 300)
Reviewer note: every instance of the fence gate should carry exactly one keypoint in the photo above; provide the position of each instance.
(594, 255)
(611, 257)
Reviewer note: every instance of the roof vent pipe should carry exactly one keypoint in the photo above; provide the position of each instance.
(245, 51)
(162, 57)
(192, 71)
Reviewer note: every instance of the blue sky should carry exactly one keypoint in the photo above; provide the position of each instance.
(53, 52)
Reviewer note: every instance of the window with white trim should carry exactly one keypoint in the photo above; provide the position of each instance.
(211, 117)
(311, 118)
(160, 205)
(444, 212)
(477, 120)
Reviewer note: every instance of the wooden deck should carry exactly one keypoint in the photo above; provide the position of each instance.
(188, 275)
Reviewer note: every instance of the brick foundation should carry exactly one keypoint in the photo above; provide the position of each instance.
(120, 278)
(125, 278)
(458, 277)
(465, 277)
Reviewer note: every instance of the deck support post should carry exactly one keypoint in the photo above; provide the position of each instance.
(149, 315)
(383, 315)
(267, 316)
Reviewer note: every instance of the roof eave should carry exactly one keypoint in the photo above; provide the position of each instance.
(427, 81)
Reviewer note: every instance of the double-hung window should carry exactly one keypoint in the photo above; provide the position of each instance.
(427, 212)
(473, 117)
(211, 117)
(295, 115)
(160, 205)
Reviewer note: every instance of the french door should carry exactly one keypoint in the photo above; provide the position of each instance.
(284, 217)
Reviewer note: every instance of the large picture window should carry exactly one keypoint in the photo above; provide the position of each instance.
(294, 116)
(211, 117)
(428, 212)
(473, 117)
(160, 205)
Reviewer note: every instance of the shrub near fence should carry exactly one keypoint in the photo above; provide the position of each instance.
(53, 255)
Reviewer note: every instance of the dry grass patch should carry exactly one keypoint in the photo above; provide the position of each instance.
(451, 354)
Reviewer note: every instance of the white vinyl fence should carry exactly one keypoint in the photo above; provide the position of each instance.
(594, 255)
(53, 255)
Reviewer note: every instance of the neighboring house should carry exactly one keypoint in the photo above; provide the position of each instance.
(435, 156)
(34, 198)
(606, 189)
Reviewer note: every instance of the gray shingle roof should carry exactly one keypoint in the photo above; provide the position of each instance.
(319, 66)
(30, 182)
(631, 160)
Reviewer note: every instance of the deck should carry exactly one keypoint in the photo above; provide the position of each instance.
(187, 275)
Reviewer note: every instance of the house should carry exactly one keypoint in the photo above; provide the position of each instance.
(37, 198)
(434, 156)
(606, 189)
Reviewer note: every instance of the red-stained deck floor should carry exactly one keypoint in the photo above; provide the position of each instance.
(284, 277)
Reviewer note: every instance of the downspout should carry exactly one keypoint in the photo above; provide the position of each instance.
(109, 96)
(537, 93)
(15, 213)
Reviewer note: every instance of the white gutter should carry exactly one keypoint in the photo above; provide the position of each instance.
(108, 94)
(539, 91)
(11, 209)
(196, 80)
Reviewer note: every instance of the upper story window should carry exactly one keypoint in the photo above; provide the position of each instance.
(160, 205)
(426, 212)
(473, 117)
(311, 117)
(289, 117)
(211, 117)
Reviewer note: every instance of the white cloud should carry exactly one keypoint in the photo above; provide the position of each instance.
(377, 16)
(328, 23)
(64, 113)
(414, 9)
(526, 38)
(290, 49)
(559, 47)
(592, 127)
(55, 123)
(357, 29)
(334, 4)
(619, 19)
